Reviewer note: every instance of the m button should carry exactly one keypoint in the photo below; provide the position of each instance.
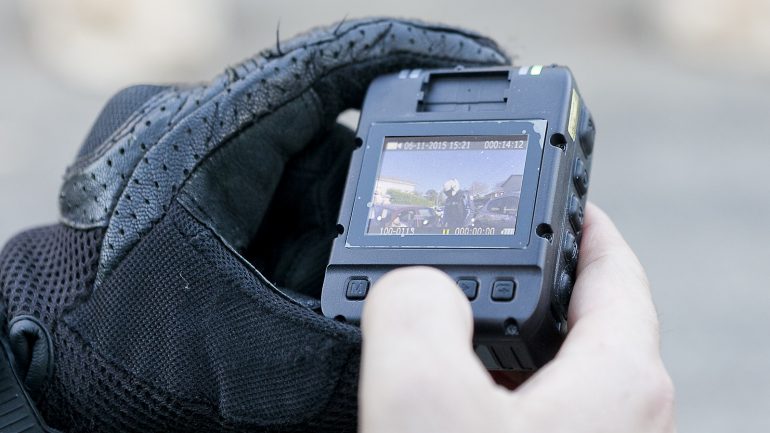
(357, 288)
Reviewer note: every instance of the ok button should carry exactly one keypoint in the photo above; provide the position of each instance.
(503, 290)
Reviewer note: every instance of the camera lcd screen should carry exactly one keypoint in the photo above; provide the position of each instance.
(448, 186)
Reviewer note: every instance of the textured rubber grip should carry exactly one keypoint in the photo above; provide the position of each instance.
(17, 412)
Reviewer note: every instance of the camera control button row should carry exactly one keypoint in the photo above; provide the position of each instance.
(503, 290)
(357, 288)
(469, 287)
(580, 177)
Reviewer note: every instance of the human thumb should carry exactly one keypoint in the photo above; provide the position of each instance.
(418, 365)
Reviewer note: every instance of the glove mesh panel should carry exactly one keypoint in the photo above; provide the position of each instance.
(44, 270)
(182, 337)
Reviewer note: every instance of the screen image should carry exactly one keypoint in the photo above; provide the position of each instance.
(448, 185)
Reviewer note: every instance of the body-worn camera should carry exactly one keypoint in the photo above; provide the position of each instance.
(481, 173)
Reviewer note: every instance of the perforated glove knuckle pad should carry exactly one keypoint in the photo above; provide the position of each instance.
(183, 202)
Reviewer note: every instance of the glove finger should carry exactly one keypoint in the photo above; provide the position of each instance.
(116, 112)
(338, 63)
(302, 86)
(221, 147)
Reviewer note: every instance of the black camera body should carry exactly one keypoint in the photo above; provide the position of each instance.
(482, 173)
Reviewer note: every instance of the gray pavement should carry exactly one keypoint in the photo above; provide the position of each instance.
(681, 164)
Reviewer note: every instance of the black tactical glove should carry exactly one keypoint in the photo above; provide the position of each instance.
(180, 291)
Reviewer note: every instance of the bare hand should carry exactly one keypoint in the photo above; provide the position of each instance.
(420, 374)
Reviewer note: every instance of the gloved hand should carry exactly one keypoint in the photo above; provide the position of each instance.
(155, 304)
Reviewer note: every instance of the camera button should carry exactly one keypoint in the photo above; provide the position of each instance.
(587, 135)
(357, 288)
(570, 248)
(503, 290)
(563, 290)
(575, 212)
(580, 177)
(469, 287)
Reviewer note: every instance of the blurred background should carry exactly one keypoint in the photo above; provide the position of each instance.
(679, 90)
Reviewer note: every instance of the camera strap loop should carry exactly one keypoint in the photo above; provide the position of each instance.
(17, 410)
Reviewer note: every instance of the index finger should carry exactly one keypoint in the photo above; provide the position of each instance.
(611, 302)
(610, 362)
